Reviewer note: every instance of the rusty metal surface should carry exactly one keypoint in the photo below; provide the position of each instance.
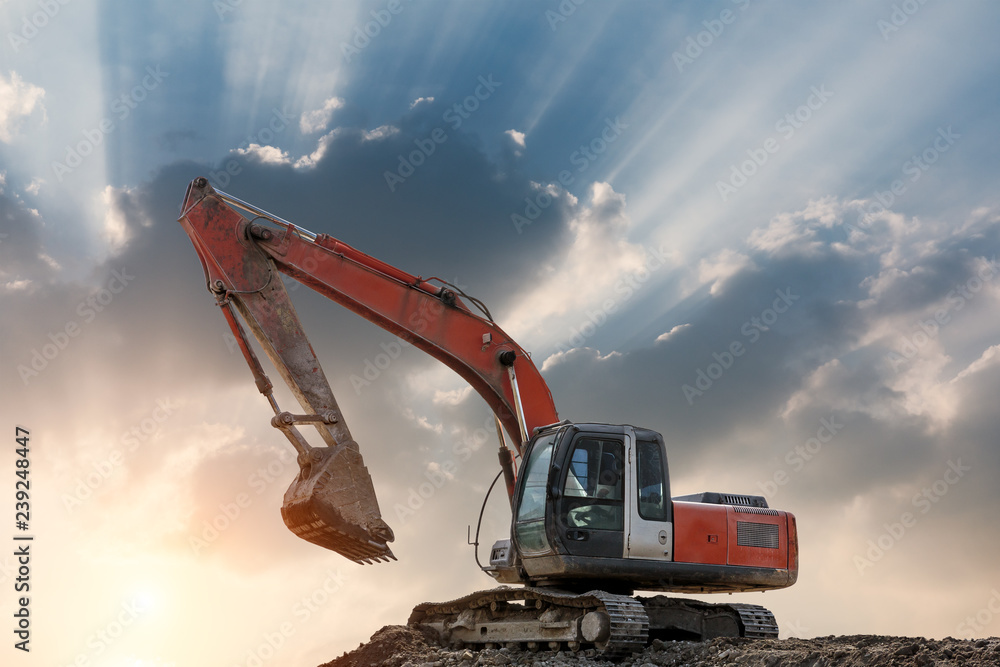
(332, 501)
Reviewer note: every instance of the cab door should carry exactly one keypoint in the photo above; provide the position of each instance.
(590, 511)
(649, 526)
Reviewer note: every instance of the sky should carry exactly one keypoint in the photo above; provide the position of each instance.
(767, 230)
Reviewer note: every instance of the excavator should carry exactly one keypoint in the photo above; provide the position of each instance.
(592, 519)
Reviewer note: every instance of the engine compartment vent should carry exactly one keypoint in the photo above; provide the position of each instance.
(715, 498)
(755, 510)
(752, 534)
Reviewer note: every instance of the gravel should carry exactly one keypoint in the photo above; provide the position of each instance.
(399, 646)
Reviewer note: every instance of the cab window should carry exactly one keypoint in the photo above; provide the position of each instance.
(595, 484)
(651, 486)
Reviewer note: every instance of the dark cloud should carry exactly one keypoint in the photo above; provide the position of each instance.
(174, 140)
(818, 361)
(21, 246)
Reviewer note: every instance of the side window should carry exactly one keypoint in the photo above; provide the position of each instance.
(594, 486)
(651, 487)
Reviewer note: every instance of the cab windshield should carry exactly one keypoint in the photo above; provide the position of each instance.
(530, 524)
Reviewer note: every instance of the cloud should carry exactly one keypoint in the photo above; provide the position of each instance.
(593, 267)
(720, 267)
(846, 349)
(34, 186)
(516, 137)
(18, 99)
(664, 337)
(14, 285)
(264, 154)
(319, 119)
(989, 358)
(115, 226)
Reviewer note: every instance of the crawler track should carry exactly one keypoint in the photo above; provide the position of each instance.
(614, 625)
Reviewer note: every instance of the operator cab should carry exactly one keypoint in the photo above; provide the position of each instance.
(592, 491)
(592, 503)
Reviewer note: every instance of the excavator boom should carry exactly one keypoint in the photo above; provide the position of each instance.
(332, 501)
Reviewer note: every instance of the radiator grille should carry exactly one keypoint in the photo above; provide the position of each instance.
(756, 510)
(751, 534)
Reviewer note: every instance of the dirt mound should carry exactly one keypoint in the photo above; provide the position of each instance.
(397, 646)
(392, 646)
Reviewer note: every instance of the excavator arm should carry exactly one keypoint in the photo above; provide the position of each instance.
(332, 501)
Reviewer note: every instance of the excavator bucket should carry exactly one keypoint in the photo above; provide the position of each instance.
(332, 504)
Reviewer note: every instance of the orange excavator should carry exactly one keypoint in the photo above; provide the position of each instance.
(592, 519)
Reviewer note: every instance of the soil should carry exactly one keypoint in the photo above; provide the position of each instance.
(399, 646)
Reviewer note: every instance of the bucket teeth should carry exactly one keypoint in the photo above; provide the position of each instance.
(332, 504)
